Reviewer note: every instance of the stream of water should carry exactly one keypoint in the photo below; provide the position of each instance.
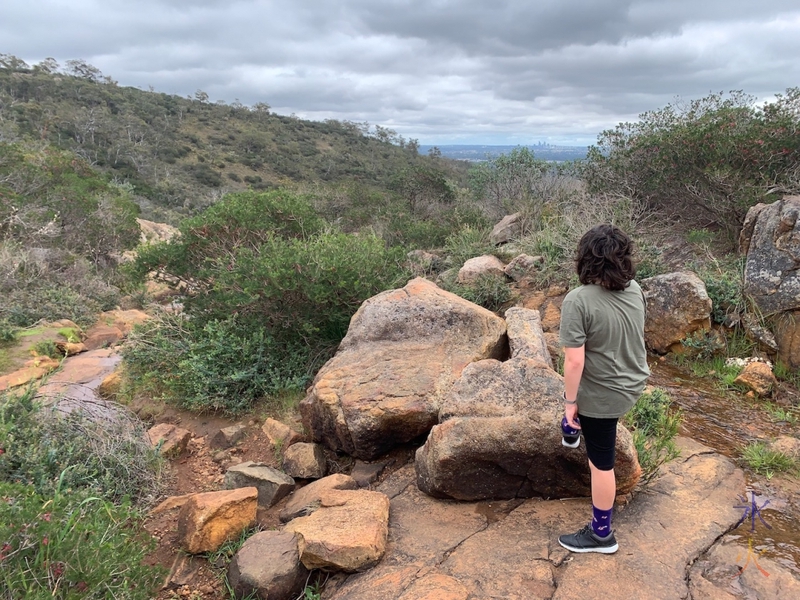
(727, 423)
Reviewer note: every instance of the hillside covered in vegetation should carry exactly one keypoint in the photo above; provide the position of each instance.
(182, 154)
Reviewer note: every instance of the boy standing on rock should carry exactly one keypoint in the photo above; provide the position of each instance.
(605, 368)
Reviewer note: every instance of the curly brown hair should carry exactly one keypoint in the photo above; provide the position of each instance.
(604, 258)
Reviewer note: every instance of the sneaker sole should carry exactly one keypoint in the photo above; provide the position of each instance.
(568, 445)
(600, 549)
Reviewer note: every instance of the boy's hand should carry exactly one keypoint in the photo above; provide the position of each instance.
(571, 413)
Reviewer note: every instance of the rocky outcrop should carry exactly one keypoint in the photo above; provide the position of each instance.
(208, 520)
(507, 229)
(272, 485)
(509, 549)
(481, 266)
(770, 238)
(400, 357)
(677, 306)
(347, 532)
(499, 438)
(268, 566)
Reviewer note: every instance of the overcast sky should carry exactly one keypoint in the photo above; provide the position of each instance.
(441, 71)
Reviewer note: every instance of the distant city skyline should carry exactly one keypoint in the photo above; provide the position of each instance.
(443, 71)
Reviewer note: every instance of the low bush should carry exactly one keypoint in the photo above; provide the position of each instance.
(51, 284)
(489, 291)
(8, 333)
(654, 425)
(71, 545)
(468, 242)
(45, 450)
(219, 366)
(725, 286)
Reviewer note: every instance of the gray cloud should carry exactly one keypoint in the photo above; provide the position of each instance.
(440, 70)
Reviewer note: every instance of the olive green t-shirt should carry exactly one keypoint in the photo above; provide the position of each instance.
(610, 324)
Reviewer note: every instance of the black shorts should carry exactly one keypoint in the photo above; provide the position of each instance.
(600, 436)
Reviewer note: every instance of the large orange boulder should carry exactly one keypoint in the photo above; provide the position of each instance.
(499, 438)
(400, 357)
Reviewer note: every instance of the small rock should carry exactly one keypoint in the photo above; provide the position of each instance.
(365, 473)
(758, 377)
(183, 571)
(281, 436)
(210, 519)
(506, 230)
(221, 456)
(268, 565)
(228, 436)
(481, 265)
(304, 461)
(272, 485)
(523, 266)
(170, 440)
(102, 336)
(347, 532)
(788, 445)
(110, 386)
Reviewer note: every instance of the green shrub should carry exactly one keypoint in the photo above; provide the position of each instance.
(725, 286)
(71, 545)
(654, 425)
(51, 284)
(265, 258)
(705, 161)
(47, 348)
(488, 291)
(219, 366)
(43, 449)
(8, 333)
(765, 461)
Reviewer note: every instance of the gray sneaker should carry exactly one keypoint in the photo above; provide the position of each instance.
(586, 540)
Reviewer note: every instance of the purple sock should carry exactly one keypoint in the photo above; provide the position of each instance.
(601, 521)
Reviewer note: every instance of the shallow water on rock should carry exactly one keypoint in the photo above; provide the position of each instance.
(727, 423)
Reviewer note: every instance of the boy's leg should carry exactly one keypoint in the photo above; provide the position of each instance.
(600, 436)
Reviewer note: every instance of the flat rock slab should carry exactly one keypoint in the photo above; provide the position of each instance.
(307, 499)
(664, 530)
(734, 569)
(81, 375)
(510, 551)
